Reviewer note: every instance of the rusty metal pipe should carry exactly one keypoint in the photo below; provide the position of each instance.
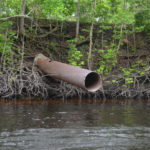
(82, 78)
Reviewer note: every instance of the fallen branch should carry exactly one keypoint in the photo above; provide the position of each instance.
(83, 41)
(46, 34)
(19, 16)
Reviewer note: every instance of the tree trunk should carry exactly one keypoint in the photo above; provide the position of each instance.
(91, 38)
(78, 19)
(22, 18)
(0, 7)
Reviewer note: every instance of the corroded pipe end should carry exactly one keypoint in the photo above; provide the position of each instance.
(93, 82)
(39, 56)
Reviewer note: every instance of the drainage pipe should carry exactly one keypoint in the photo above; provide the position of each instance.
(77, 76)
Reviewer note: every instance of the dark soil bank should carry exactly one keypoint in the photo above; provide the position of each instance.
(51, 39)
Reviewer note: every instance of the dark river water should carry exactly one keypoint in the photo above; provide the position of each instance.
(74, 125)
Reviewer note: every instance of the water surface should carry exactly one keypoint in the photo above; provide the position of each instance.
(74, 125)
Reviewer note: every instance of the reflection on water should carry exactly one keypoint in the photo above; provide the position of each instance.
(75, 126)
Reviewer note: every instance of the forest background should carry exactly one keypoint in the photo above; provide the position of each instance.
(111, 37)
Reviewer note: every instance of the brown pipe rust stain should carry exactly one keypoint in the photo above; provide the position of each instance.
(32, 102)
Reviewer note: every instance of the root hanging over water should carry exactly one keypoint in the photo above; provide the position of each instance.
(27, 85)
(32, 84)
(139, 89)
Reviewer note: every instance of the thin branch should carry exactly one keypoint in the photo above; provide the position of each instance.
(23, 7)
(0, 7)
(78, 19)
(48, 33)
(16, 16)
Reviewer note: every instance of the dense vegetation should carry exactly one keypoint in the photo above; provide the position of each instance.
(110, 37)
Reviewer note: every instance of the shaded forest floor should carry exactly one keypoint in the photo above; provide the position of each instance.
(51, 39)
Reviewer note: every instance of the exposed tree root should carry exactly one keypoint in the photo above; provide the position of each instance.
(13, 86)
(35, 85)
(140, 89)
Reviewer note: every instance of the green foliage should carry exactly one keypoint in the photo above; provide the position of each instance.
(10, 7)
(129, 80)
(48, 8)
(114, 81)
(31, 29)
(137, 69)
(6, 41)
(53, 46)
(75, 56)
(107, 61)
(86, 30)
(110, 11)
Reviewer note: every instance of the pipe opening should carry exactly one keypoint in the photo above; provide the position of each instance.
(93, 82)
